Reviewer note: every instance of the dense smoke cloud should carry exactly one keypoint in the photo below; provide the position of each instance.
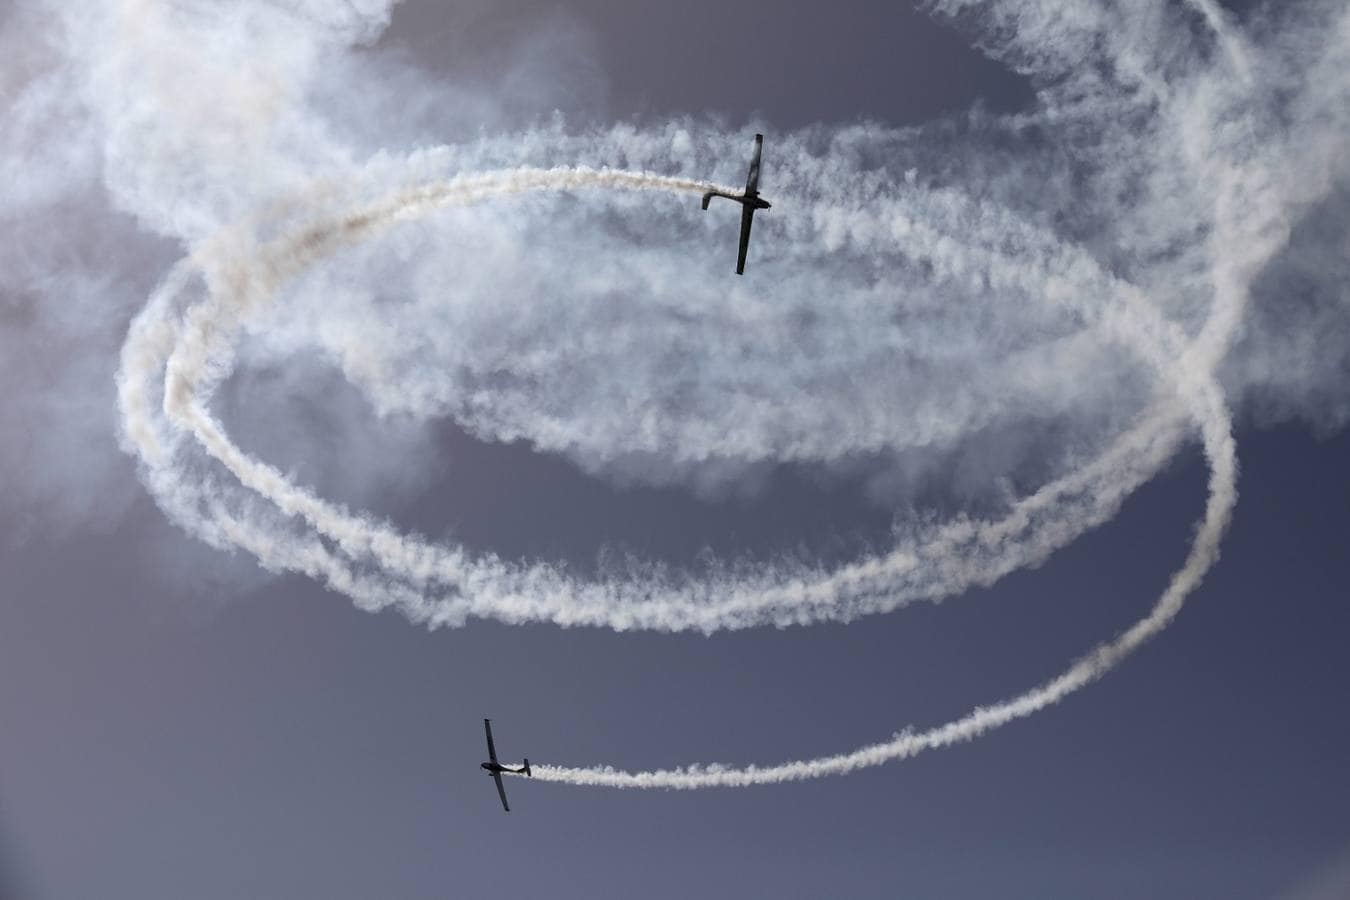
(1049, 303)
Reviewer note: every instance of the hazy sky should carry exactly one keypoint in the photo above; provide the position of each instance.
(577, 385)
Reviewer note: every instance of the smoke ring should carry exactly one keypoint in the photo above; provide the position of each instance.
(797, 597)
(185, 345)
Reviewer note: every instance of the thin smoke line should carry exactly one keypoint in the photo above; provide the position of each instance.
(186, 371)
(179, 350)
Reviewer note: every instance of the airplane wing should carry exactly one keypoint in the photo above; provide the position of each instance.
(752, 180)
(492, 750)
(747, 216)
(501, 791)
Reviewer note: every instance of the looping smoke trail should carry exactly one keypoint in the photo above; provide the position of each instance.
(1072, 297)
(933, 566)
(1220, 451)
(183, 351)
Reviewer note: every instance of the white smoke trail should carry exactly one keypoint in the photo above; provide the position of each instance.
(933, 566)
(182, 347)
(188, 367)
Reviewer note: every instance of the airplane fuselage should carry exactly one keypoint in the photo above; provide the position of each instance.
(751, 200)
(496, 769)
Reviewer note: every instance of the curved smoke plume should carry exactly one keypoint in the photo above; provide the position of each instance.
(1080, 271)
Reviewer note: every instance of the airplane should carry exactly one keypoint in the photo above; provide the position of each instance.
(749, 202)
(495, 769)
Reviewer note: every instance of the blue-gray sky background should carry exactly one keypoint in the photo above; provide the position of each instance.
(175, 723)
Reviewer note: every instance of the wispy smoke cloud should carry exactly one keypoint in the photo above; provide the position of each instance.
(1082, 270)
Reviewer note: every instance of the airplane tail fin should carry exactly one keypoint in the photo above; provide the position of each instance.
(527, 768)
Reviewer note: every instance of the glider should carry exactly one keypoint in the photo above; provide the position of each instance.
(749, 202)
(495, 769)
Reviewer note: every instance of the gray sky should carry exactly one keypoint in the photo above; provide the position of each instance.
(178, 723)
